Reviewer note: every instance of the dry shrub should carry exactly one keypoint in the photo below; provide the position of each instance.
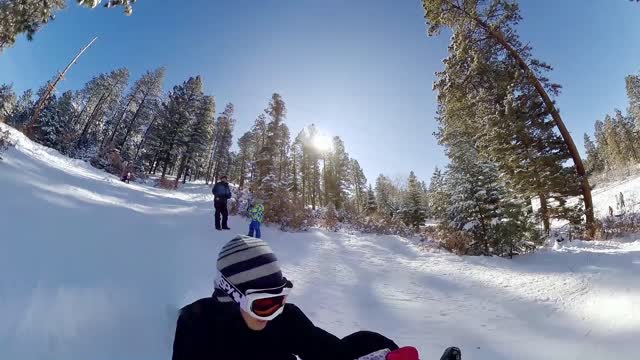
(617, 226)
(166, 183)
(300, 217)
(455, 241)
(381, 225)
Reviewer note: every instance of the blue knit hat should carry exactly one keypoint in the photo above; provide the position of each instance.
(248, 263)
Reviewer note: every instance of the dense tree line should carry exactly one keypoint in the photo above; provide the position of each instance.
(613, 146)
(125, 126)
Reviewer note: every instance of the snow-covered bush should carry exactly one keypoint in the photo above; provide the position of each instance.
(5, 142)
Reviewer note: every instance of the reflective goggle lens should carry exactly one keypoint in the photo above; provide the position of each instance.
(267, 306)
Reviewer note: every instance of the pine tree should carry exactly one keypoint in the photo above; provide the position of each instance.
(22, 110)
(633, 94)
(171, 137)
(268, 157)
(308, 167)
(29, 16)
(25, 16)
(372, 205)
(134, 113)
(387, 196)
(438, 196)
(336, 173)
(485, 38)
(595, 163)
(222, 141)
(55, 122)
(476, 193)
(101, 97)
(198, 133)
(357, 184)
(413, 211)
(127, 4)
(7, 102)
(601, 144)
(244, 157)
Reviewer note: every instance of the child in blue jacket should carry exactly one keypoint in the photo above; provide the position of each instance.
(256, 214)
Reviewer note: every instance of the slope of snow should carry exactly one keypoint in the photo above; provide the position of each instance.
(93, 268)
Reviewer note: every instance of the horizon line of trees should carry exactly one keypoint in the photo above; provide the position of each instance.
(122, 126)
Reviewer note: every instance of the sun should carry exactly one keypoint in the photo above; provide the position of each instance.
(322, 143)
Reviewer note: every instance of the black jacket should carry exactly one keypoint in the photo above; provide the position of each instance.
(221, 191)
(211, 330)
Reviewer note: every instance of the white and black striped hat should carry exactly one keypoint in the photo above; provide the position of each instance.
(248, 263)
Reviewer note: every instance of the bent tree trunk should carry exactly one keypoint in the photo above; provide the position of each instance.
(555, 114)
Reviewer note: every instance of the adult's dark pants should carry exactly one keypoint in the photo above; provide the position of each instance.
(363, 343)
(221, 209)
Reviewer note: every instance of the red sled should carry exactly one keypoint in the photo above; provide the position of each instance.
(404, 353)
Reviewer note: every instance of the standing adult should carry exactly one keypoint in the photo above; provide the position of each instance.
(221, 193)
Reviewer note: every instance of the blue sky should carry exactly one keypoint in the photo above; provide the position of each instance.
(360, 69)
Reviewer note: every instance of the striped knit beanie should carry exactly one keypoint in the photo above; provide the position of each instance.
(248, 263)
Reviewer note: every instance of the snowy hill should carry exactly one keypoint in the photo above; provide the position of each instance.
(93, 268)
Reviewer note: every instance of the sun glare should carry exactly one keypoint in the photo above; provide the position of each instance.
(322, 143)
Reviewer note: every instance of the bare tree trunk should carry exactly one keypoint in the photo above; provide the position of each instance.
(544, 210)
(89, 122)
(551, 108)
(117, 125)
(133, 121)
(34, 117)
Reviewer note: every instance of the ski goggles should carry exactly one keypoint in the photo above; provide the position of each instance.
(261, 304)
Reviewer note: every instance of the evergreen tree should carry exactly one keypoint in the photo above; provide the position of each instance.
(22, 111)
(198, 132)
(134, 113)
(25, 16)
(602, 147)
(438, 196)
(101, 97)
(55, 122)
(633, 94)
(222, 141)
(595, 163)
(357, 184)
(244, 157)
(29, 16)
(268, 163)
(174, 131)
(484, 41)
(7, 102)
(372, 204)
(336, 174)
(127, 4)
(387, 196)
(413, 211)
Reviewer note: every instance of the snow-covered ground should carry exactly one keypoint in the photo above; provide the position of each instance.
(92, 268)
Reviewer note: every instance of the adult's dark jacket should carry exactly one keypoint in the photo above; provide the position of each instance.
(221, 192)
(211, 330)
